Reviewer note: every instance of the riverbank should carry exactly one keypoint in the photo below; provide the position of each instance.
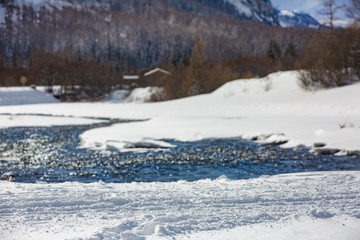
(270, 109)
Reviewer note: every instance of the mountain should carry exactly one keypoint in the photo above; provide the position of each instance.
(252, 10)
(255, 10)
(260, 11)
(297, 19)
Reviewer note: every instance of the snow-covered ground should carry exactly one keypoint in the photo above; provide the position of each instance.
(11, 96)
(24, 95)
(7, 121)
(275, 105)
(292, 206)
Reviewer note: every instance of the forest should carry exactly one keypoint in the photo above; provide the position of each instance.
(90, 48)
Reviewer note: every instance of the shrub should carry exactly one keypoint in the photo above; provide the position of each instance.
(326, 62)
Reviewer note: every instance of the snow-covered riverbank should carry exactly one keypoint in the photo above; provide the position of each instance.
(274, 106)
(292, 206)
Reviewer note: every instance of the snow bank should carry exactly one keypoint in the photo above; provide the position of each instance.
(272, 106)
(117, 96)
(137, 95)
(296, 229)
(143, 95)
(292, 206)
(7, 121)
(24, 95)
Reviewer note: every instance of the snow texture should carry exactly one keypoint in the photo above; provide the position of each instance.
(292, 206)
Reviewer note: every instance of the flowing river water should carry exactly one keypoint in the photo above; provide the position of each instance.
(52, 154)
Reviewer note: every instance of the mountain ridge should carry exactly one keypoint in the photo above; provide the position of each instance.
(252, 10)
(261, 11)
(297, 19)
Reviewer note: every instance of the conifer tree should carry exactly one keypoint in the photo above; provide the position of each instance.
(274, 50)
(355, 56)
(196, 80)
(290, 56)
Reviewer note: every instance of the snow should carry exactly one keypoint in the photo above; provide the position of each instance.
(155, 71)
(292, 206)
(142, 95)
(241, 7)
(38, 3)
(24, 95)
(9, 120)
(287, 13)
(117, 96)
(273, 106)
(137, 95)
(131, 77)
(297, 18)
(305, 228)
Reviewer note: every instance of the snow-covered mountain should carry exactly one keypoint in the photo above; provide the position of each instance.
(297, 19)
(259, 11)
(252, 10)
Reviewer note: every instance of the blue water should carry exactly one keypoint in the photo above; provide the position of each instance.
(51, 154)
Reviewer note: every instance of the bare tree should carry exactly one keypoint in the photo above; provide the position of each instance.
(329, 9)
(354, 10)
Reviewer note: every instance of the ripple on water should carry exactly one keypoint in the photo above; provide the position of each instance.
(50, 154)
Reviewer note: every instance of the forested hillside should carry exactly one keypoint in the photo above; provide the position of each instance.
(132, 36)
(93, 43)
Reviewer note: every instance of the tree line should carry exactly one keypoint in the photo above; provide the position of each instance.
(88, 49)
(333, 59)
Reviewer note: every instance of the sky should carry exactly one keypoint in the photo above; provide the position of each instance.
(308, 6)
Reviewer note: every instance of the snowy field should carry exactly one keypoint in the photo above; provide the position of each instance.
(294, 206)
(318, 205)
